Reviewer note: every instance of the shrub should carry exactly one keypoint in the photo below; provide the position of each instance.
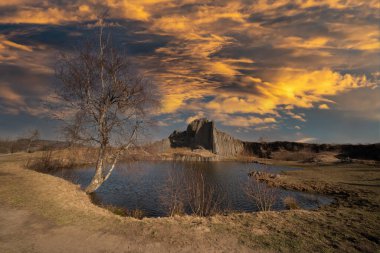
(263, 196)
(116, 210)
(173, 194)
(187, 191)
(204, 199)
(136, 213)
(290, 203)
(47, 164)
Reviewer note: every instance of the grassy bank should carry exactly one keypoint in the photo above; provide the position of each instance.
(42, 213)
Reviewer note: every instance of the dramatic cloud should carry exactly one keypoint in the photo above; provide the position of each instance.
(256, 64)
(287, 90)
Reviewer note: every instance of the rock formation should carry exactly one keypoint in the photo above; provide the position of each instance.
(201, 133)
(226, 145)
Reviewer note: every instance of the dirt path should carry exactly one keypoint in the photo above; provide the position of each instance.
(22, 231)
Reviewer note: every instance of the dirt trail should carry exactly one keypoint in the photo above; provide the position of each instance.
(22, 231)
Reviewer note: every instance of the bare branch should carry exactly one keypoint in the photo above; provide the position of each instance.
(110, 100)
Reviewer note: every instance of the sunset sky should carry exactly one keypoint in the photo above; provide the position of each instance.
(296, 70)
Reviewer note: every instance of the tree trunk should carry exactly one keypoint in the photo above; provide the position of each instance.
(98, 178)
(28, 148)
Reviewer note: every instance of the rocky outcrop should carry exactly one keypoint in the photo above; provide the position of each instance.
(201, 133)
(226, 145)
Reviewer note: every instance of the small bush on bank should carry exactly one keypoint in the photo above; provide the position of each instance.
(47, 164)
(187, 191)
(136, 213)
(262, 195)
(290, 203)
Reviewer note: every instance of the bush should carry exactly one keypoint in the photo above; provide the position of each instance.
(263, 196)
(187, 191)
(290, 203)
(47, 164)
(136, 213)
(173, 194)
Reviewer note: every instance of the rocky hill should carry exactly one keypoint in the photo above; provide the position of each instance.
(202, 134)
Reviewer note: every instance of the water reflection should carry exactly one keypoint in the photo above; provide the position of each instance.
(148, 186)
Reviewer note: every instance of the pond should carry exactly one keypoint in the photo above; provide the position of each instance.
(149, 185)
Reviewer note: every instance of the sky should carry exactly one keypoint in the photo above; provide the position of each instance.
(294, 70)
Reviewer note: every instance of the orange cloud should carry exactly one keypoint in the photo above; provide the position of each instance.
(361, 37)
(323, 107)
(292, 41)
(141, 10)
(292, 89)
(174, 25)
(84, 8)
(267, 6)
(9, 95)
(194, 117)
(221, 68)
(243, 121)
(52, 15)
(9, 43)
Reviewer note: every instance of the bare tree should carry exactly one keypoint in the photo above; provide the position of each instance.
(110, 101)
(264, 151)
(173, 193)
(32, 136)
(188, 190)
(261, 194)
(203, 198)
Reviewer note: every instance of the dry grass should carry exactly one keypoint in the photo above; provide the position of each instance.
(301, 156)
(134, 213)
(35, 199)
(306, 156)
(46, 163)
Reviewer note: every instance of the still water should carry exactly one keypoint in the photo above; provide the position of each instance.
(143, 185)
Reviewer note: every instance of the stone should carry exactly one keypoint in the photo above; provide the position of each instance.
(202, 133)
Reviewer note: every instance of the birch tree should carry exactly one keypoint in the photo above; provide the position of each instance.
(32, 136)
(109, 101)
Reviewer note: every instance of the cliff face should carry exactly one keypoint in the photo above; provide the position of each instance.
(197, 134)
(202, 133)
(226, 145)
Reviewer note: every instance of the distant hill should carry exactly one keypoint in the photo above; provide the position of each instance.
(202, 134)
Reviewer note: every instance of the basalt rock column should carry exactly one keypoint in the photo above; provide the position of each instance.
(201, 133)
